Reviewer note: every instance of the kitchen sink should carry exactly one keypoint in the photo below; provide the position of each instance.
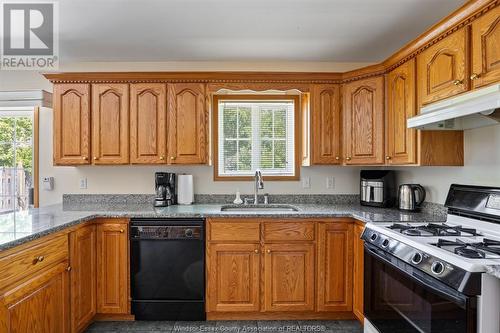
(260, 208)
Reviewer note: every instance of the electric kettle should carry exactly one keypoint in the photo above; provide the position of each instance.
(410, 196)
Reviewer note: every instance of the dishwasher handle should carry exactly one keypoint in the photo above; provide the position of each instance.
(171, 232)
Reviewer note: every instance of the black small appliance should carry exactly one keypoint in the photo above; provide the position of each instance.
(377, 188)
(165, 189)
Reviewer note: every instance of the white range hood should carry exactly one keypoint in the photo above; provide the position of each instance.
(474, 109)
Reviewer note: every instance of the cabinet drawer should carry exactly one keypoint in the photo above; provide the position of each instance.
(234, 231)
(17, 265)
(289, 231)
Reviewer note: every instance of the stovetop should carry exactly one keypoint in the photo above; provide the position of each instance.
(464, 242)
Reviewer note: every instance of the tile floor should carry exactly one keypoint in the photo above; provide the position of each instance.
(310, 326)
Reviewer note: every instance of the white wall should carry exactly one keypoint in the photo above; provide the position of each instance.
(482, 148)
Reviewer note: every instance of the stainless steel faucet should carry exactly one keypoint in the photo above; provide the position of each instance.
(259, 184)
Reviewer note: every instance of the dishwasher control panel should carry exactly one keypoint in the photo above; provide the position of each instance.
(166, 232)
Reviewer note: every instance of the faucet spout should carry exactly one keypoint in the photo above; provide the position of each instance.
(259, 185)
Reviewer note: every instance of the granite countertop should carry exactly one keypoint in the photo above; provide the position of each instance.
(20, 227)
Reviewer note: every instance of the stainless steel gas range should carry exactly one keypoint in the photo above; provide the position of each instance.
(428, 277)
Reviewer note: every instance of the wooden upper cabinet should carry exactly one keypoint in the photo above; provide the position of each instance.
(486, 49)
(112, 268)
(289, 277)
(335, 267)
(401, 105)
(326, 124)
(83, 277)
(443, 68)
(110, 124)
(148, 123)
(187, 123)
(71, 124)
(233, 273)
(364, 121)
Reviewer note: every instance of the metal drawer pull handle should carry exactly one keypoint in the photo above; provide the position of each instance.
(474, 76)
(39, 259)
(457, 82)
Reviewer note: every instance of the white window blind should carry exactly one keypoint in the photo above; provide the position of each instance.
(256, 135)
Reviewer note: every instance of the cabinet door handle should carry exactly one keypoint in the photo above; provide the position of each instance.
(387, 157)
(85, 158)
(474, 76)
(268, 251)
(69, 268)
(122, 231)
(348, 158)
(172, 158)
(458, 82)
(95, 158)
(162, 157)
(337, 158)
(256, 251)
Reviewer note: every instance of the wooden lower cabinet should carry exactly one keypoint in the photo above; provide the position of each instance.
(233, 277)
(289, 277)
(83, 277)
(335, 266)
(296, 268)
(112, 268)
(358, 273)
(40, 304)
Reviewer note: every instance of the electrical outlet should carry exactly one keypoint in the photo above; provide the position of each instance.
(306, 182)
(330, 182)
(83, 183)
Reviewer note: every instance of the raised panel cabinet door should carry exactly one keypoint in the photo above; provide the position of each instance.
(112, 268)
(148, 123)
(335, 266)
(83, 261)
(233, 277)
(358, 273)
(364, 121)
(326, 124)
(110, 123)
(401, 105)
(71, 124)
(187, 123)
(486, 49)
(442, 69)
(40, 305)
(289, 275)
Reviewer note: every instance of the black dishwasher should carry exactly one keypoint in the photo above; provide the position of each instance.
(167, 269)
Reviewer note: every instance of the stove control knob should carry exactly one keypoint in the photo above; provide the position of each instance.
(437, 267)
(385, 243)
(417, 258)
(373, 237)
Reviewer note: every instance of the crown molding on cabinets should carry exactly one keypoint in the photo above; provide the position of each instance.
(463, 16)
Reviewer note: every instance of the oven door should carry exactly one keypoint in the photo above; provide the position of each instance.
(402, 299)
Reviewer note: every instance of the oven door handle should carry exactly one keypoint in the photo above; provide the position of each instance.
(451, 295)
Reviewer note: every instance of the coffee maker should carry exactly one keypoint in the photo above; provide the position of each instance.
(165, 189)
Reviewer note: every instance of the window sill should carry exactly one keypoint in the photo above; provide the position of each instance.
(250, 178)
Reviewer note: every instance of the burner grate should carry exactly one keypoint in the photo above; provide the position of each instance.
(433, 229)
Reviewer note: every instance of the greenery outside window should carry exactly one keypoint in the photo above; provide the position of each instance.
(18, 167)
(256, 132)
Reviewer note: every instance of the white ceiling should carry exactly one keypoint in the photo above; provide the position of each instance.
(243, 30)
